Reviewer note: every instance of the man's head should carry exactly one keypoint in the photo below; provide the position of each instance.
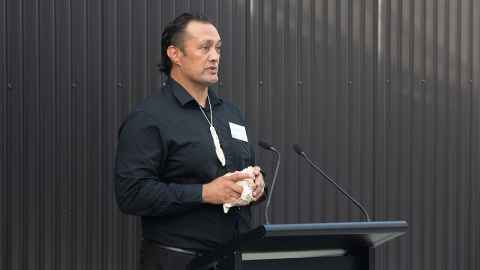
(191, 49)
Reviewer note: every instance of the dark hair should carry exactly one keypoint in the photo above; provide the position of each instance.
(172, 35)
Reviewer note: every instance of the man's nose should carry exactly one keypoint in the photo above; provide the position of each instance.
(213, 55)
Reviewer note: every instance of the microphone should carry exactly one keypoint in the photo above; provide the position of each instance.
(302, 153)
(270, 147)
(266, 146)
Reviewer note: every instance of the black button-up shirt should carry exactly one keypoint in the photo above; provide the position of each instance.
(165, 153)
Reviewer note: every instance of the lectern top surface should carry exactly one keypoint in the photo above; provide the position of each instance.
(336, 228)
(325, 235)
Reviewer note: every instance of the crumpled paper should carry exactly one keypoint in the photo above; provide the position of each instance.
(247, 193)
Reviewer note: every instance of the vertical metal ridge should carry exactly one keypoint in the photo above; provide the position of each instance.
(404, 119)
(341, 99)
(349, 108)
(408, 122)
(124, 58)
(309, 57)
(30, 127)
(225, 23)
(458, 260)
(417, 129)
(312, 108)
(441, 145)
(108, 108)
(63, 133)
(338, 84)
(48, 84)
(290, 103)
(304, 54)
(430, 135)
(82, 243)
(95, 251)
(270, 23)
(138, 63)
(329, 150)
(3, 136)
(4, 173)
(266, 130)
(6, 168)
(367, 81)
(464, 144)
(240, 54)
(78, 104)
(277, 124)
(286, 89)
(92, 203)
(435, 167)
(382, 207)
(148, 60)
(264, 100)
(380, 113)
(453, 125)
(474, 246)
(154, 43)
(318, 105)
(354, 130)
(15, 137)
(253, 75)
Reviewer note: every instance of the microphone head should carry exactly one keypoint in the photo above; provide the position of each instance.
(265, 145)
(298, 149)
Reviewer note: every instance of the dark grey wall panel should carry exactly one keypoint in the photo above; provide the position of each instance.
(430, 118)
(3, 132)
(384, 94)
(313, 81)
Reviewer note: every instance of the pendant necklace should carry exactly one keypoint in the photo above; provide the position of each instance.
(213, 132)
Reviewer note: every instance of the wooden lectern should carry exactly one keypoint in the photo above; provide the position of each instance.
(340, 246)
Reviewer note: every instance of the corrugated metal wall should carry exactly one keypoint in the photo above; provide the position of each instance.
(431, 72)
(384, 94)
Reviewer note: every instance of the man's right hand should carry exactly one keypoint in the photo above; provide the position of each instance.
(224, 188)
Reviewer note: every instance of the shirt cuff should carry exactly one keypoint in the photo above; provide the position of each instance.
(192, 193)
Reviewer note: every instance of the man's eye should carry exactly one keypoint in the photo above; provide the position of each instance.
(219, 49)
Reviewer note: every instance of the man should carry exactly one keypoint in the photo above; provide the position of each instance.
(180, 153)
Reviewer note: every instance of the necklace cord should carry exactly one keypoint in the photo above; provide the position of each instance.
(211, 112)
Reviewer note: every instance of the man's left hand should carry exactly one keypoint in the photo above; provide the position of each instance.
(258, 191)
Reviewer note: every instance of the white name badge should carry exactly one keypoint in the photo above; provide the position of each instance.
(238, 132)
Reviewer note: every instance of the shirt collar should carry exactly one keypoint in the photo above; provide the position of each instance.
(185, 98)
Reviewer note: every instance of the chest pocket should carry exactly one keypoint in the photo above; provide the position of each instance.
(237, 152)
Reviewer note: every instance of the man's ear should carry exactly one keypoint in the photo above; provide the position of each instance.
(174, 54)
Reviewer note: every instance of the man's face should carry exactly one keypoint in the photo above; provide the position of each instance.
(200, 57)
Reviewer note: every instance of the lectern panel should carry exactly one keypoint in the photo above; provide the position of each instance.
(320, 263)
(304, 246)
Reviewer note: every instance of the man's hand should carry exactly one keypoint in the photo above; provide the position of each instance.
(224, 188)
(259, 184)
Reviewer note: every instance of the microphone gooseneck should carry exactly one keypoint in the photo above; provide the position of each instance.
(270, 147)
(302, 153)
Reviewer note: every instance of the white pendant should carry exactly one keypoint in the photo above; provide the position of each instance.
(218, 148)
